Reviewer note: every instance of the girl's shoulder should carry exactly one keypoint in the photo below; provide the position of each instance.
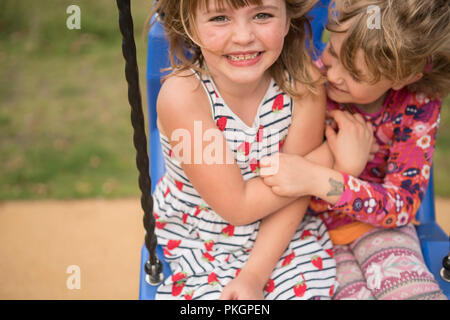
(185, 82)
(409, 109)
(422, 99)
(182, 92)
(181, 101)
(408, 102)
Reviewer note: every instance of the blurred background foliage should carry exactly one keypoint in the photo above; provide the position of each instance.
(65, 128)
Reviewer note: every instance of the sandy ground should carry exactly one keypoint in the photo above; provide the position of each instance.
(48, 247)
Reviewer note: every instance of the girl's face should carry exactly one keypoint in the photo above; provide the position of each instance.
(342, 87)
(241, 44)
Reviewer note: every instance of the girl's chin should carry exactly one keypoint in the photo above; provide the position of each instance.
(246, 76)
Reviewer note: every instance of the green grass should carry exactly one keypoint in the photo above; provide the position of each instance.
(442, 153)
(65, 128)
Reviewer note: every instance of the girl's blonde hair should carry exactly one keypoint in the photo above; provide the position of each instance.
(178, 18)
(413, 38)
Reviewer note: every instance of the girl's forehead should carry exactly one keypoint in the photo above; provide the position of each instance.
(220, 5)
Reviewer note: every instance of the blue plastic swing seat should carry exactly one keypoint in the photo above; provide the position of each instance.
(434, 242)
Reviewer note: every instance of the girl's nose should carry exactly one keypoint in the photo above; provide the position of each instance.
(334, 74)
(243, 33)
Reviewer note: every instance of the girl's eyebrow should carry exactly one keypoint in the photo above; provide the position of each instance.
(257, 8)
(268, 7)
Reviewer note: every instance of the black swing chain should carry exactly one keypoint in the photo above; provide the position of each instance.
(153, 267)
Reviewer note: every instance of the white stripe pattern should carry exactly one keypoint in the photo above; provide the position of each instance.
(204, 251)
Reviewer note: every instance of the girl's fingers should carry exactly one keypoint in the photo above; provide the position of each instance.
(331, 135)
(269, 181)
(277, 190)
(331, 122)
(228, 293)
(266, 162)
(348, 115)
(358, 117)
(269, 166)
(339, 117)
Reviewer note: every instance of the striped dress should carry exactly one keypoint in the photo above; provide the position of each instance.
(204, 251)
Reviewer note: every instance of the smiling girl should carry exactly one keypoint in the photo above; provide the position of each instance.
(387, 84)
(240, 69)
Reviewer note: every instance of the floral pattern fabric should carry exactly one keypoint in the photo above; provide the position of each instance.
(390, 190)
(384, 264)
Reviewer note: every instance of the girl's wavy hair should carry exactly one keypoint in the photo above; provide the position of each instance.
(178, 19)
(414, 38)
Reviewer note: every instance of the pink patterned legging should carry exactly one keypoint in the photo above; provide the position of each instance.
(385, 265)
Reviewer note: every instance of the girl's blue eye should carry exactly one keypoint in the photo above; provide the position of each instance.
(219, 19)
(263, 16)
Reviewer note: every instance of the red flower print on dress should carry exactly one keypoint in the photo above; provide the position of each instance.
(306, 234)
(199, 209)
(209, 245)
(317, 262)
(167, 192)
(300, 287)
(222, 123)
(331, 291)
(278, 104)
(212, 279)
(179, 281)
(330, 252)
(228, 231)
(255, 166)
(270, 286)
(188, 295)
(172, 244)
(160, 223)
(207, 257)
(260, 134)
(244, 149)
(166, 252)
(288, 259)
(179, 185)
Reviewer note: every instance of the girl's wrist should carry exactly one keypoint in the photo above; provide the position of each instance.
(326, 184)
(313, 178)
(255, 277)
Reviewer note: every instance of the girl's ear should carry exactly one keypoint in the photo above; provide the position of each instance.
(401, 84)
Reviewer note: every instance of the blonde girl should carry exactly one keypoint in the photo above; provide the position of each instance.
(242, 87)
(391, 79)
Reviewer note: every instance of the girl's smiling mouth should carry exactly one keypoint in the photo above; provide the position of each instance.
(244, 59)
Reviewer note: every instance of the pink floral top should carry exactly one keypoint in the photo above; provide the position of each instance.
(389, 191)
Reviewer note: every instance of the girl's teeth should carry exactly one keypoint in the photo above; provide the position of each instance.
(244, 57)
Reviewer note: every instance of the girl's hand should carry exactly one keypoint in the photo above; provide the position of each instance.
(353, 145)
(287, 174)
(244, 287)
